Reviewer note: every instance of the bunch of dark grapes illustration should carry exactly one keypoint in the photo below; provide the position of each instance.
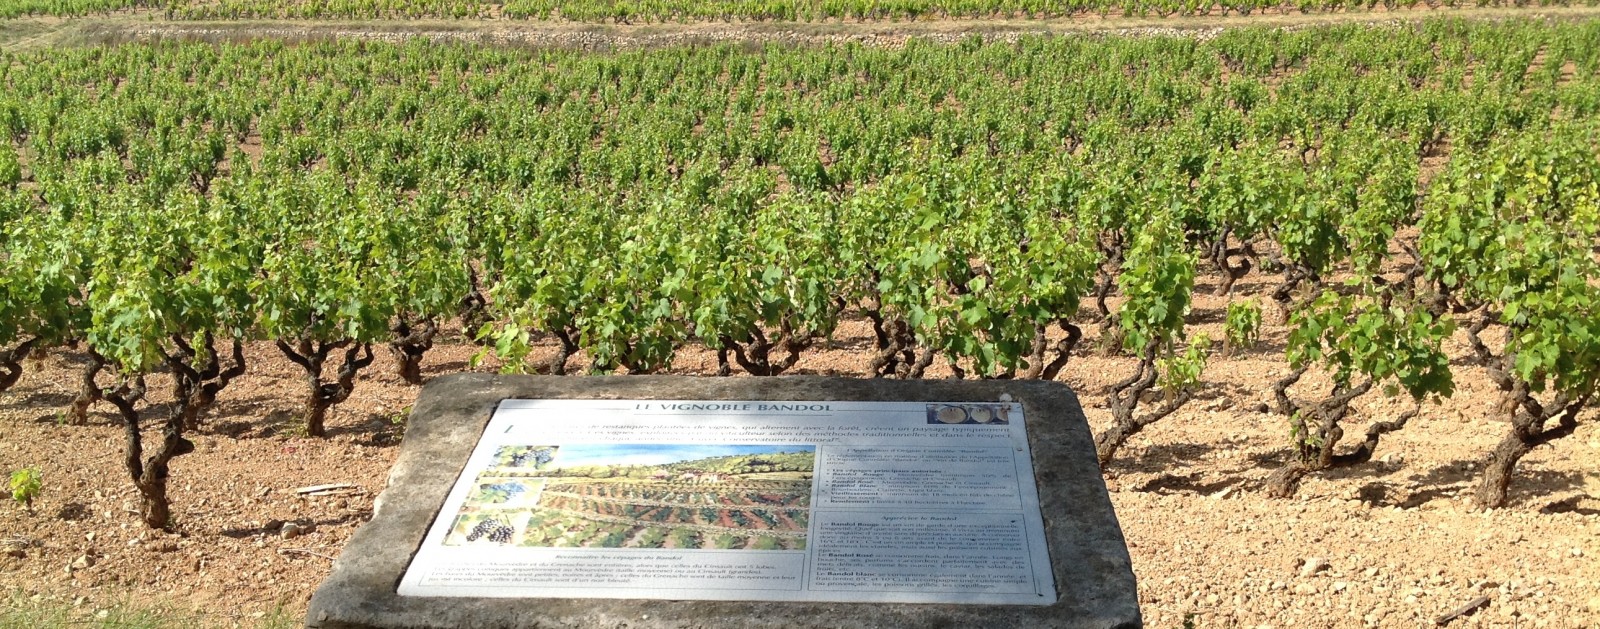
(495, 530)
(539, 456)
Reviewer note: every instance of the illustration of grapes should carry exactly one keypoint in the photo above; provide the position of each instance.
(500, 493)
(534, 457)
(493, 529)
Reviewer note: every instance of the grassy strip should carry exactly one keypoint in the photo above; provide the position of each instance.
(21, 611)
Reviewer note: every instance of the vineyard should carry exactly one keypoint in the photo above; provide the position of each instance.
(689, 516)
(660, 11)
(755, 515)
(708, 497)
(562, 528)
(981, 210)
(784, 466)
(758, 495)
(164, 204)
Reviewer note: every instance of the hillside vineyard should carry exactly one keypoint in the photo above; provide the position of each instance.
(980, 204)
(681, 11)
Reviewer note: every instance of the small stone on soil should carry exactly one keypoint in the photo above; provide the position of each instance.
(1312, 566)
(292, 530)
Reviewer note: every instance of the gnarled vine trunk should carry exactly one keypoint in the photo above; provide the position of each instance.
(1319, 433)
(1283, 296)
(1531, 419)
(149, 474)
(1041, 369)
(568, 347)
(11, 363)
(1110, 333)
(761, 356)
(321, 395)
(474, 308)
(411, 340)
(897, 355)
(1124, 402)
(1222, 255)
(1531, 427)
(197, 379)
(88, 391)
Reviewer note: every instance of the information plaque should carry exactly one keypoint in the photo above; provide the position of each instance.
(903, 502)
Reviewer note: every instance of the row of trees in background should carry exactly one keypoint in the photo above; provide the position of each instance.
(656, 11)
(164, 204)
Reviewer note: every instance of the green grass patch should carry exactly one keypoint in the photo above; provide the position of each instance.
(20, 611)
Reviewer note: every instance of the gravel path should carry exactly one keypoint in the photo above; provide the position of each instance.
(24, 33)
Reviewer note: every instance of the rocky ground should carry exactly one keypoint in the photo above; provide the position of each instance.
(1392, 543)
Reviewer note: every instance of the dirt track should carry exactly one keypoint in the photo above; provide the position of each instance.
(27, 33)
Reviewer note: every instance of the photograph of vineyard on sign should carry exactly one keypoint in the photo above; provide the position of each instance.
(727, 497)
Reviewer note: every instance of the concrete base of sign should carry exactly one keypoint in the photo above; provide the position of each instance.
(1090, 558)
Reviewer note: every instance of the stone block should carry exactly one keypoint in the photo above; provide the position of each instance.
(1093, 573)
